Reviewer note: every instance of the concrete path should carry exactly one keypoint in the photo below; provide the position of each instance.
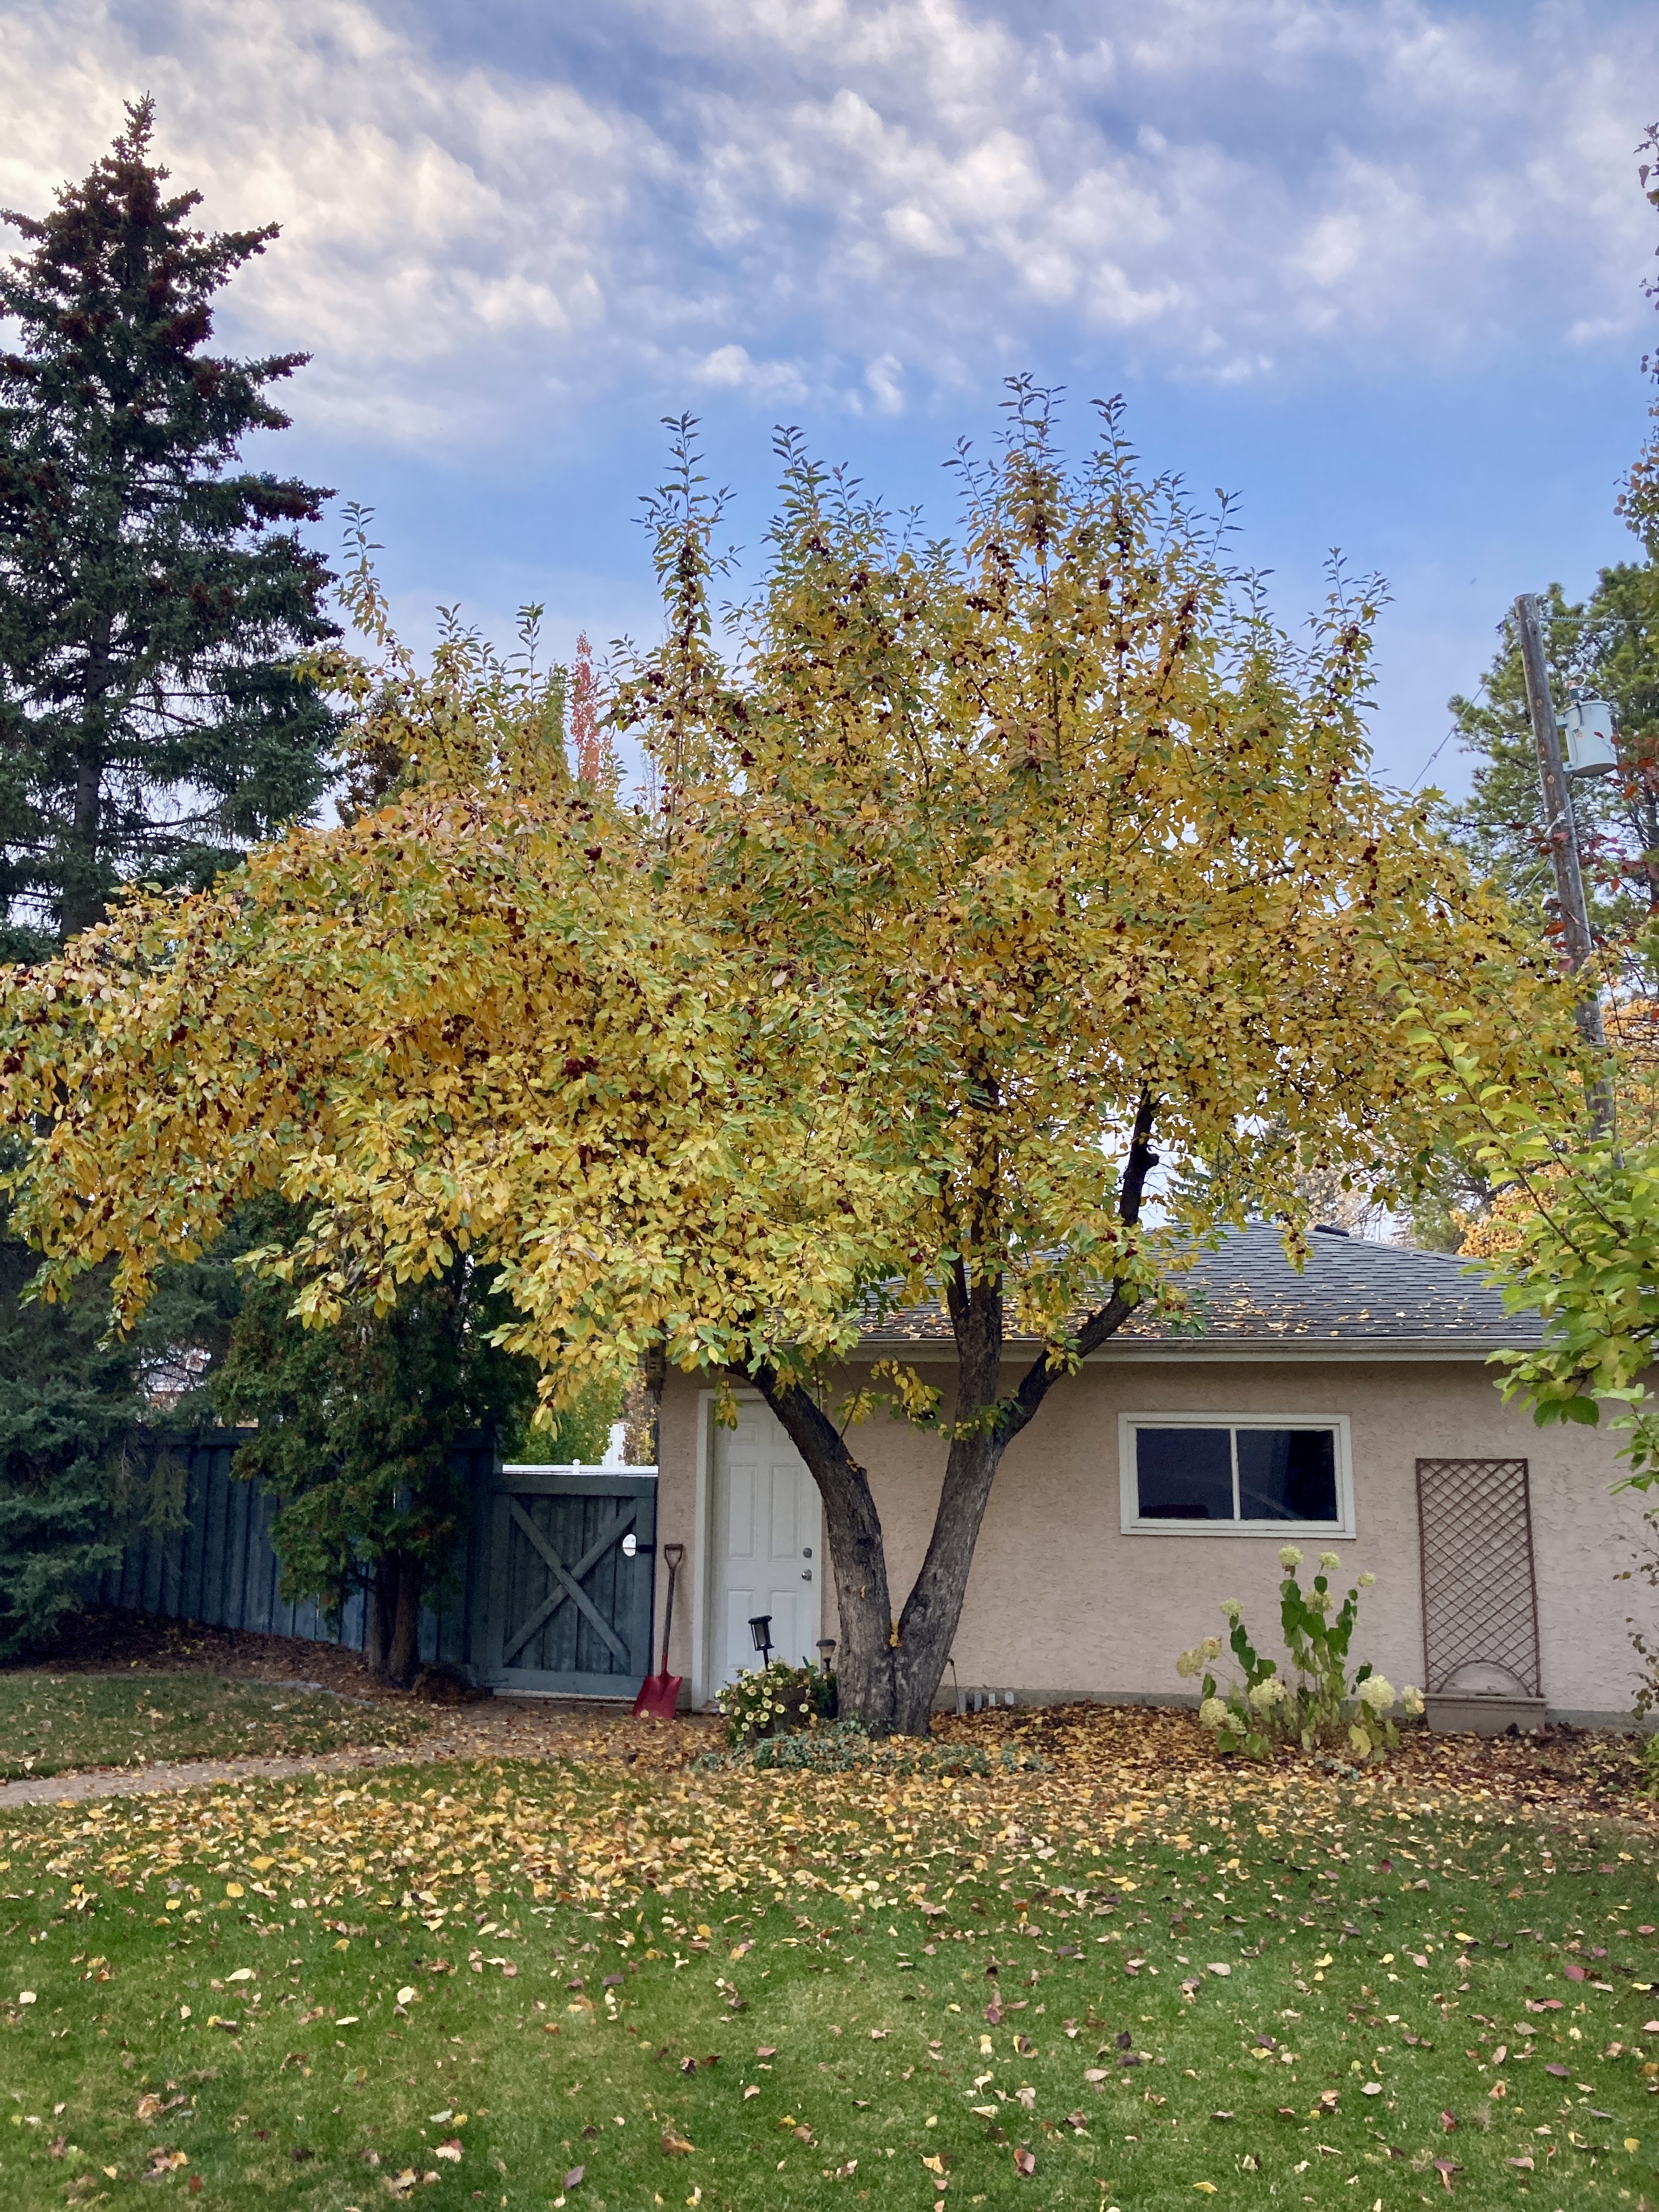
(195, 1773)
(498, 1727)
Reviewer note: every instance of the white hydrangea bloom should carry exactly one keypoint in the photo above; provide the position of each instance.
(1190, 1663)
(1320, 1600)
(1268, 1693)
(1377, 1692)
(1411, 1702)
(1231, 1608)
(1367, 1582)
(1289, 1556)
(1211, 1647)
(1329, 1561)
(1214, 1714)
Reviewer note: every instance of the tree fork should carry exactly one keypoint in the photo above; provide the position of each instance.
(891, 1685)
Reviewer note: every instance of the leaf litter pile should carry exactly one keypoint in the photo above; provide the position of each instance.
(1129, 1975)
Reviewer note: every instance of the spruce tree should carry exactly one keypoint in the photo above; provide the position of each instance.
(153, 599)
(153, 595)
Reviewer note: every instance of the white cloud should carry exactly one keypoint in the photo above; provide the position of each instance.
(885, 379)
(858, 200)
(728, 369)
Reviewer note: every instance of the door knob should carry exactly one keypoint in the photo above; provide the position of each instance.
(806, 1574)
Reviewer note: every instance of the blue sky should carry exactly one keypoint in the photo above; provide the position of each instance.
(1375, 265)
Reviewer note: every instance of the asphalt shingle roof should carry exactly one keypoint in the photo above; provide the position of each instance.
(1351, 1292)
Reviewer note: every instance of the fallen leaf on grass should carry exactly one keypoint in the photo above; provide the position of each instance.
(573, 2179)
(1445, 2167)
(1208, 2187)
(676, 2146)
(402, 2184)
(1024, 2162)
(753, 2090)
(450, 2150)
(1522, 2165)
(1216, 1968)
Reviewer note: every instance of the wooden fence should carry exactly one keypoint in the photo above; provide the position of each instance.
(551, 1588)
(221, 1568)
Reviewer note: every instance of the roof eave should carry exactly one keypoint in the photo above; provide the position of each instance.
(1177, 1350)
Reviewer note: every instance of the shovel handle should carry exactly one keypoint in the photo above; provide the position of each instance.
(673, 1553)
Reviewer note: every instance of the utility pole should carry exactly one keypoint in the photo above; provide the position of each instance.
(1563, 832)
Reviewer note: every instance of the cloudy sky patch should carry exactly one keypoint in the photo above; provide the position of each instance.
(1319, 242)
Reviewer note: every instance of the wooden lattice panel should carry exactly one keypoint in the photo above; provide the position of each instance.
(1480, 1597)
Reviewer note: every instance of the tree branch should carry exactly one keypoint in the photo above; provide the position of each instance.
(1106, 1320)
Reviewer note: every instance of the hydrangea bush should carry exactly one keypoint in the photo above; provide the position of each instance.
(1324, 1704)
(771, 1700)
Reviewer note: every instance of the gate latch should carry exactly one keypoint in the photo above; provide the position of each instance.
(633, 1549)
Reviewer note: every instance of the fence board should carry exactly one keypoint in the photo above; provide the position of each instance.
(221, 1568)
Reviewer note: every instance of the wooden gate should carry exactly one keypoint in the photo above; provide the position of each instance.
(570, 1605)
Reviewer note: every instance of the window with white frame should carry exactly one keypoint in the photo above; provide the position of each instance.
(1239, 1473)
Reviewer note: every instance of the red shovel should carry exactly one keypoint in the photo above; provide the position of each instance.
(660, 1694)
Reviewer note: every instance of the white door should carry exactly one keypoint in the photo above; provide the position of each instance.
(766, 1551)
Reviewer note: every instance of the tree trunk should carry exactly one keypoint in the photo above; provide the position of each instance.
(865, 1658)
(889, 1672)
(981, 1432)
(82, 894)
(83, 901)
(403, 1657)
(643, 1408)
(380, 1604)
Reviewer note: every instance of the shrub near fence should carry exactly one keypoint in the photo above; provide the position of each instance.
(221, 1568)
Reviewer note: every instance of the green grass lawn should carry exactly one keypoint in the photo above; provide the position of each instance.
(454, 1986)
(55, 1723)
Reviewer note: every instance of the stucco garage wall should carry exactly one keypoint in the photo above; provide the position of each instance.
(1061, 1601)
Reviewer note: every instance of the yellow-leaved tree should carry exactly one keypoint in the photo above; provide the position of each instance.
(977, 875)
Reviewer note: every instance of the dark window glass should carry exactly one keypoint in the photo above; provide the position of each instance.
(1185, 1474)
(1287, 1474)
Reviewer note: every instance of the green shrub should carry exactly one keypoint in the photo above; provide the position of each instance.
(1323, 1704)
(769, 1701)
